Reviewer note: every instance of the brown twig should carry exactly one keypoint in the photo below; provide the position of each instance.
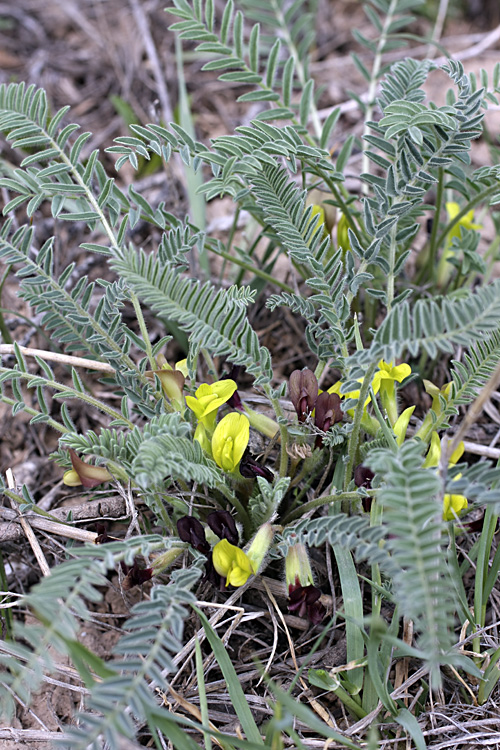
(30, 534)
(112, 507)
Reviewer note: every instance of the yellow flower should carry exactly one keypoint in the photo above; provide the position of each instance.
(437, 396)
(208, 398)
(387, 372)
(434, 453)
(229, 440)
(230, 561)
(384, 380)
(401, 424)
(467, 221)
(453, 505)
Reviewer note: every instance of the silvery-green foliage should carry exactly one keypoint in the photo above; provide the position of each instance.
(411, 146)
(68, 591)
(266, 498)
(412, 501)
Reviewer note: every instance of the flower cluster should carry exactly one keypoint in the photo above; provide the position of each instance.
(306, 399)
(227, 441)
(227, 564)
(383, 382)
(453, 505)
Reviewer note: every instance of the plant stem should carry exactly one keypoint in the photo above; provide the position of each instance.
(480, 197)
(318, 502)
(352, 448)
(392, 263)
(242, 512)
(34, 413)
(253, 269)
(69, 391)
(433, 244)
(143, 329)
(4, 331)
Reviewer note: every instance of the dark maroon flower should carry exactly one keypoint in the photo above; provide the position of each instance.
(235, 401)
(363, 478)
(303, 600)
(134, 575)
(327, 412)
(472, 526)
(102, 534)
(191, 531)
(212, 576)
(222, 523)
(303, 389)
(249, 468)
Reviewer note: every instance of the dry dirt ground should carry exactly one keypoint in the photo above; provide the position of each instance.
(98, 55)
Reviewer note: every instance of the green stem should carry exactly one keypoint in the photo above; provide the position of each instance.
(320, 368)
(319, 502)
(480, 197)
(433, 244)
(392, 263)
(4, 331)
(352, 448)
(253, 269)
(283, 431)
(243, 516)
(483, 556)
(344, 206)
(143, 329)
(34, 413)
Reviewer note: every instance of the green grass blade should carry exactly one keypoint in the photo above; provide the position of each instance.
(233, 684)
(409, 722)
(308, 717)
(353, 610)
(200, 677)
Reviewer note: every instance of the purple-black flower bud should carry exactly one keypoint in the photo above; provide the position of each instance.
(363, 478)
(249, 468)
(191, 531)
(303, 389)
(327, 412)
(134, 575)
(223, 525)
(303, 600)
(235, 401)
